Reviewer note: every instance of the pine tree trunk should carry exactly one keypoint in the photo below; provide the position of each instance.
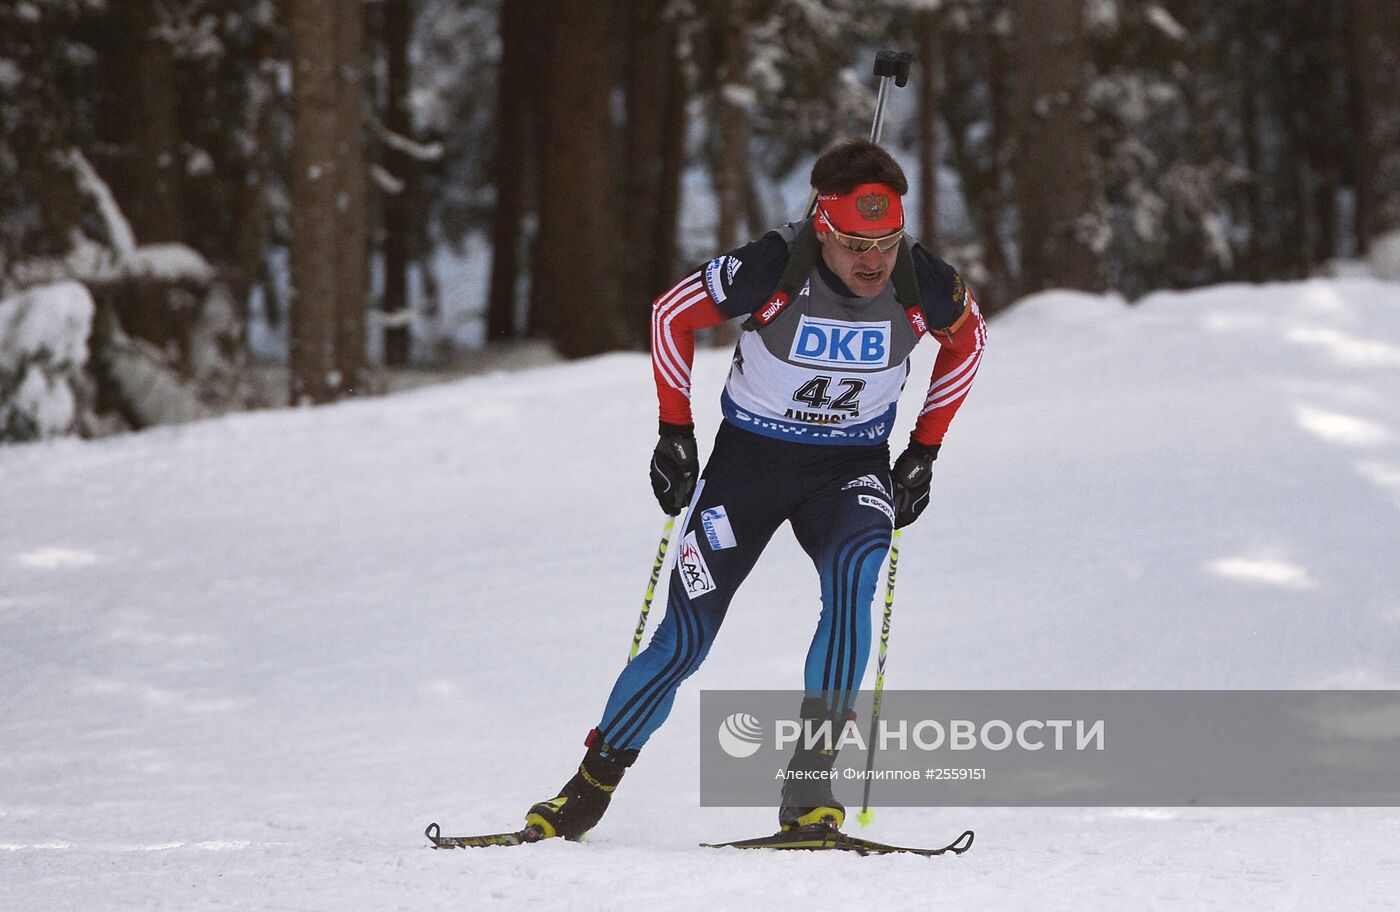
(730, 160)
(1316, 41)
(1375, 60)
(1301, 176)
(1253, 150)
(997, 198)
(253, 229)
(329, 247)
(1324, 148)
(928, 26)
(668, 192)
(145, 172)
(519, 25)
(352, 265)
(398, 26)
(576, 279)
(314, 188)
(1055, 171)
(980, 174)
(141, 160)
(650, 78)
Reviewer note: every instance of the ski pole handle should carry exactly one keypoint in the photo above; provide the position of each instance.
(894, 65)
(651, 585)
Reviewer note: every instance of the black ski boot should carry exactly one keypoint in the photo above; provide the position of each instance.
(581, 802)
(807, 796)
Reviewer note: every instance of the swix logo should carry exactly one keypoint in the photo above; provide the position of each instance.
(917, 321)
(832, 343)
(774, 307)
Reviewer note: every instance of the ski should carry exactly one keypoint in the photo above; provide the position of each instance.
(519, 837)
(811, 839)
(824, 839)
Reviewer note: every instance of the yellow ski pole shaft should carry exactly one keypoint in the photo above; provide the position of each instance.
(651, 585)
(866, 815)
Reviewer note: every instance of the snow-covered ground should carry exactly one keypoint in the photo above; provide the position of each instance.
(243, 662)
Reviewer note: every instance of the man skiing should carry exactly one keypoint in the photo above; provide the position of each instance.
(835, 305)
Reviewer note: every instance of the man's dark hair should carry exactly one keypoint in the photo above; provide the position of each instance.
(851, 164)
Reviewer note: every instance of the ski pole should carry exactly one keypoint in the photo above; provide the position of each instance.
(866, 815)
(888, 65)
(651, 585)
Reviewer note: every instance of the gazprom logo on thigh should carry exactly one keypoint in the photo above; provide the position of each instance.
(835, 343)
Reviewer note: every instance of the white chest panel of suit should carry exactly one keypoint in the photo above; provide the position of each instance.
(828, 370)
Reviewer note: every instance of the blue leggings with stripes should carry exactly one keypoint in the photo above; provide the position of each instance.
(837, 499)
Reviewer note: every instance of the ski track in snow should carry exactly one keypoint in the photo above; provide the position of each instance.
(244, 662)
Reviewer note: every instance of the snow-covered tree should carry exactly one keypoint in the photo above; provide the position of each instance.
(43, 351)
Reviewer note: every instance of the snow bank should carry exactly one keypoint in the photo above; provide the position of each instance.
(43, 350)
(244, 662)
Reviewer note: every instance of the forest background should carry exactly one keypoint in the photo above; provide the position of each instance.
(209, 205)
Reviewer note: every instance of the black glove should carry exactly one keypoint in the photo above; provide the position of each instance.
(912, 472)
(674, 467)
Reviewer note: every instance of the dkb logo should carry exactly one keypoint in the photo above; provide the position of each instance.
(740, 735)
(832, 343)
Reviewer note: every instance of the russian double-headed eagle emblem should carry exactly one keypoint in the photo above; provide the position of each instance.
(873, 206)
